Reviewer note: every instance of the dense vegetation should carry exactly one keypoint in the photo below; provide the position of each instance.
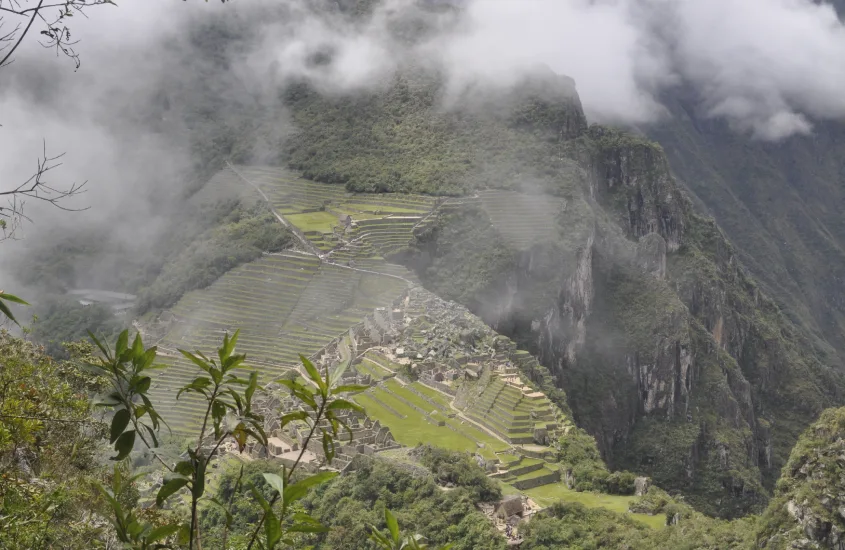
(61, 319)
(232, 234)
(50, 447)
(776, 202)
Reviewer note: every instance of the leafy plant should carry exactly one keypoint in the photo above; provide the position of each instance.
(229, 414)
(394, 540)
(4, 308)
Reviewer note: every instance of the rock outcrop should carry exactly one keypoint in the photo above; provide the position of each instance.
(809, 508)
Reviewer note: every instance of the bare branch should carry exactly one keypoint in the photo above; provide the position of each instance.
(54, 29)
(36, 188)
(22, 35)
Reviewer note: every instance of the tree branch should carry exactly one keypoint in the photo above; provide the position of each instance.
(23, 34)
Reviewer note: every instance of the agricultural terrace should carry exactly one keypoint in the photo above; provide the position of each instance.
(383, 222)
(294, 303)
(285, 305)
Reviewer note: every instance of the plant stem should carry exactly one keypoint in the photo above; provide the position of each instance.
(290, 473)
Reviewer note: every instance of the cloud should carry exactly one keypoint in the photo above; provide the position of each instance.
(767, 66)
(770, 67)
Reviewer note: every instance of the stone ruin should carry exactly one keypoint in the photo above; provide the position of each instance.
(508, 513)
(285, 444)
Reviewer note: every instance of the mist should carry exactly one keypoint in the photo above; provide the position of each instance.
(769, 67)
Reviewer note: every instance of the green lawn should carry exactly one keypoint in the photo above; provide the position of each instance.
(377, 370)
(365, 207)
(434, 395)
(546, 495)
(414, 429)
(314, 221)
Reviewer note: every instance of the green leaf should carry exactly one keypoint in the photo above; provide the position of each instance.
(118, 424)
(124, 445)
(162, 532)
(253, 384)
(277, 483)
(170, 487)
(143, 385)
(4, 309)
(291, 416)
(199, 478)
(314, 374)
(137, 346)
(240, 434)
(122, 343)
(272, 530)
(197, 361)
(392, 524)
(234, 340)
(299, 489)
(381, 540)
(185, 468)
(338, 404)
(300, 392)
(99, 344)
(218, 411)
(151, 431)
(184, 534)
(328, 446)
(12, 298)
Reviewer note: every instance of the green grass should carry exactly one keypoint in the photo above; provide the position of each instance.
(544, 471)
(377, 370)
(353, 208)
(546, 495)
(314, 221)
(414, 429)
(433, 394)
(491, 444)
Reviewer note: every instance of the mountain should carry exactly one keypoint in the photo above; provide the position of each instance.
(578, 242)
(574, 240)
(781, 205)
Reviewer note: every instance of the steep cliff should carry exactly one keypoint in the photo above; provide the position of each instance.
(809, 508)
(670, 354)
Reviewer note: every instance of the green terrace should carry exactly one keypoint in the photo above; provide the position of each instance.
(415, 416)
(384, 221)
(285, 305)
(523, 219)
(510, 413)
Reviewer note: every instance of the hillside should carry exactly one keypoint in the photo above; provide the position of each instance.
(779, 202)
(807, 510)
(623, 309)
(671, 355)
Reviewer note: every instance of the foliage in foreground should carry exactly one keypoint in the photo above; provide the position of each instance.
(49, 445)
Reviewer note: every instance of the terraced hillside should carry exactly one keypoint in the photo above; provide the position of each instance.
(285, 305)
(512, 413)
(332, 218)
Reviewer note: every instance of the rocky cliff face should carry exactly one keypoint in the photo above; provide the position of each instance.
(671, 355)
(809, 508)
